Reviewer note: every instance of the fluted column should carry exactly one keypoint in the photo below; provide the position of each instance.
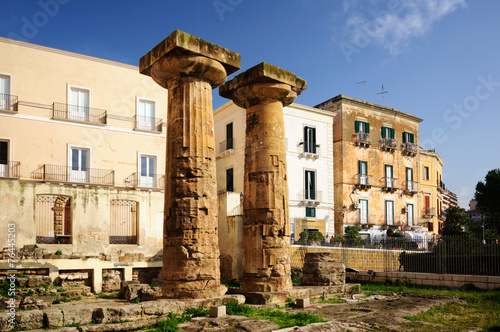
(263, 91)
(190, 68)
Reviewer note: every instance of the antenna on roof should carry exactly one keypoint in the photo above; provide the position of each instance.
(365, 87)
(384, 95)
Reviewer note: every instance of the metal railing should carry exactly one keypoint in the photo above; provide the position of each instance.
(362, 180)
(410, 187)
(364, 221)
(428, 211)
(10, 169)
(389, 183)
(59, 173)
(410, 148)
(79, 113)
(310, 195)
(148, 123)
(136, 180)
(388, 143)
(226, 145)
(306, 149)
(8, 102)
(362, 138)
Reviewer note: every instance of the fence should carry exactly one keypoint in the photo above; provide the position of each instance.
(460, 254)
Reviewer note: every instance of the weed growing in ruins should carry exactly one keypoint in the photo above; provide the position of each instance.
(59, 252)
(335, 299)
(107, 296)
(173, 320)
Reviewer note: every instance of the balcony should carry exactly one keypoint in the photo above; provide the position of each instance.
(362, 139)
(441, 187)
(79, 114)
(226, 147)
(147, 123)
(365, 221)
(310, 197)
(409, 149)
(8, 103)
(10, 169)
(309, 151)
(389, 184)
(410, 187)
(388, 144)
(149, 181)
(363, 181)
(66, 174)
(428, 212)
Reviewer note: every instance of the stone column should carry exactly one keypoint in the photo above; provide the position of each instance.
(263, 91)
(190, 68)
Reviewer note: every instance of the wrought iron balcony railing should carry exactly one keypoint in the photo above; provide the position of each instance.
(310, 196)
(59, 173)
(428, 211)
(10, 169)
(227, 145)
(410, 148)
(148, 123)
(362, 139)
(389, 183)
(79, 113)
(308, 150)
(363, 181)
(8, 102)
(388, 144)
(410, 187)
(136, 180)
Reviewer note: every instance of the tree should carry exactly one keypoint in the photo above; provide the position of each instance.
(457, 221)
(488, 200)
(352, 236)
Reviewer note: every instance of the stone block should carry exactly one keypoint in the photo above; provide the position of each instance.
(303, 303)
(29, 320)
(434, 276)
(217, 311)
(495, 280)
(481, 285)
(458, 277)
(474, 279)
(77, 314)
(53, 317)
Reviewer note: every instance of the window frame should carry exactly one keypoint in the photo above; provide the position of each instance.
(232, 179)
(408, 137)
(392, 212)
(383, 133)
(308, 210)
(427, 173)
(139, 167)
(307, 193)
(360, 202)
(357, 127)
(230, 125)
(412, 214)
(387, 181)
(310, 147)
(138, 99)
(10, 92)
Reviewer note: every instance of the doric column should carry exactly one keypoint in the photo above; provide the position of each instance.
(190, 68)
(263, 91)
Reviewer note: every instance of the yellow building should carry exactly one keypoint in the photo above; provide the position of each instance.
(432, 189)
(376, 165)
(82, 152)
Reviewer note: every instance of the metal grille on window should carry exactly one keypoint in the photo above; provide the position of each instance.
(53, 219)
(123, 222)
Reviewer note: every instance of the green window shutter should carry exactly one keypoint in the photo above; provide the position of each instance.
(359, 166)
(392, 132)
(356, 126)
(404, 136)
(412, 138)
(383, 132)
(367, 128)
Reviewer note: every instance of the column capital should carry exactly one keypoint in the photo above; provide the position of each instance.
(182, 54)
(263, 83)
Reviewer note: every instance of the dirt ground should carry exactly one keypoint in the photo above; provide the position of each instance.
(372, 313)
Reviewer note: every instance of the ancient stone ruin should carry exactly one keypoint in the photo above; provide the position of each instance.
(190, 68)
(263, 91)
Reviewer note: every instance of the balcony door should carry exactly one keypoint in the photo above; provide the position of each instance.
(409, 178)
(363, 171)
(310, 185)
(409, 214)
(363, 211)
(310, 139)
(4, 158)
(147, 172)
(79, 168)
(389, 212)
(4, 92)
(146, 115)
(78, 108)
(389, 179)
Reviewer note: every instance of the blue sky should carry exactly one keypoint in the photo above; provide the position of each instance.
(438, 59)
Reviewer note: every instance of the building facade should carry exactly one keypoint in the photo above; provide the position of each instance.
(376, 167)
(82, 149)
(432, 189)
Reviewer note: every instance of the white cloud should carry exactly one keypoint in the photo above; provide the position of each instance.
(394, 27)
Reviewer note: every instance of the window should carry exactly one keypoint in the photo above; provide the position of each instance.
(389, 212)
(310, 185)
(427, 205)
(310, 212)
(229, 179)
(4, 158)
(426, 173)
(229, 136)
(389, 180)
(53, 219)
(409, 178)
(145, 114)
(361, 126)
(4, 92)
(363, 211)
(147, 171)
(409, 214)
(123, 222)
(310, 139)
(363, 171)
(408, 137)
(387, 132)
(79, 103)
(79, 164)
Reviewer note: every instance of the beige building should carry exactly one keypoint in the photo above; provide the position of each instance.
(376, 165)
(82, 152)
(432, 189)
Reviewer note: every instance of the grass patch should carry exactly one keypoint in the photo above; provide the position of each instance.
(481, 308)
(335, 299)
(171, 324)
(107, 296)
(283, 319)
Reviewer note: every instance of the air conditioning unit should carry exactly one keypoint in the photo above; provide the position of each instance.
(403, 210)
(356, 205)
